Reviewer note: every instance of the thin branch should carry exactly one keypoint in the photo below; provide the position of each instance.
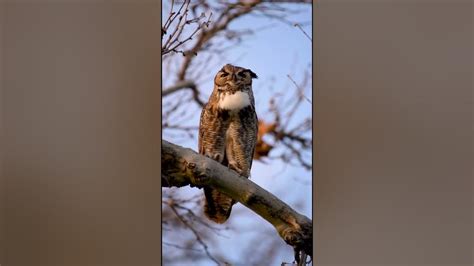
(299, 89)
(180, 247)
(184, 85)
(173, 41)
(170, 19)
(301, 28)
(298, 155)
(196, 234)
(173, 16)
(193, 216)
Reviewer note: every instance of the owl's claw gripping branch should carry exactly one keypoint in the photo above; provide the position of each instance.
(295, 229)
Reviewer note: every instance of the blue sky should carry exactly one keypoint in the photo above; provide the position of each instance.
(272, 53)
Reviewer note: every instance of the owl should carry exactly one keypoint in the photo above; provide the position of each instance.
(228, 132)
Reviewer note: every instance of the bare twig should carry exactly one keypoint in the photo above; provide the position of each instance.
(301, 28)
(173, 42)
(180, 247)
(196, 234)
(299, 89)
(184, 85)
(294, 144)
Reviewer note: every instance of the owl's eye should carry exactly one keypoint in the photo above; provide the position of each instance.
(241, 74)
(225, 74)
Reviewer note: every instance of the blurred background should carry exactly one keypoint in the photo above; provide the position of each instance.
(80, 137)
(274, 40)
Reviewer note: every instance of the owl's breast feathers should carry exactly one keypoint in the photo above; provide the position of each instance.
(234, 102)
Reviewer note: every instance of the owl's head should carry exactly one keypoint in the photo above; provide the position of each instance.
(234, 77)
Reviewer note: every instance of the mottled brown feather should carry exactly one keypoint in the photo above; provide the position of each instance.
(228, 136)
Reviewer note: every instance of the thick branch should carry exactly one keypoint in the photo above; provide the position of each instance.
(182, 166)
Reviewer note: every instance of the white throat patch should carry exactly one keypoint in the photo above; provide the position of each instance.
(234, 102)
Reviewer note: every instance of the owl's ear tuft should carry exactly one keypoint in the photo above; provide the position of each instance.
(252, 74)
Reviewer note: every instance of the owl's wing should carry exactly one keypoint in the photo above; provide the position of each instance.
(241, 141)
(211, 134)
(212, 128)
(254, 127)
(201, 131)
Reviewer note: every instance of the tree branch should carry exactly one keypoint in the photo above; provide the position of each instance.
(185, 84)
(182, 166)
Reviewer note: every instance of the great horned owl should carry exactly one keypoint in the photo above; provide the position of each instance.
(228, 132)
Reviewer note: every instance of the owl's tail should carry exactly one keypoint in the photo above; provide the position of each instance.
(217, 206)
